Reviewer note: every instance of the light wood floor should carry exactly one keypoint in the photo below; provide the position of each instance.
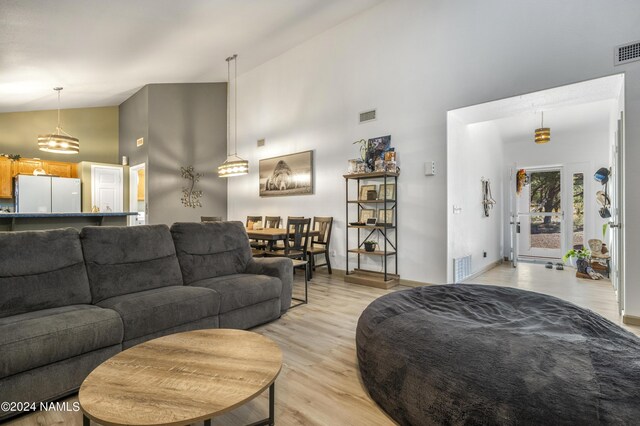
(596, 295)
(319, 383)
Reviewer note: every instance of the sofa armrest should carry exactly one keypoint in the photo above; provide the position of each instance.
(279, 267)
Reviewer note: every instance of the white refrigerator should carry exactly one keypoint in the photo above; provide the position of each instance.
(47, 194)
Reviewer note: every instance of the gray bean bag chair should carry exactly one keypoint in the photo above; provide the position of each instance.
(485, 355)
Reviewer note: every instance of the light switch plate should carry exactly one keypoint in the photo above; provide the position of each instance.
(430, 168)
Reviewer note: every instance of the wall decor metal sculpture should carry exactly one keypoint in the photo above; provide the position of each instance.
(191, 197)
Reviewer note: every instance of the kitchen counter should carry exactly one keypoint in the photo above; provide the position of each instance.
(39, 221)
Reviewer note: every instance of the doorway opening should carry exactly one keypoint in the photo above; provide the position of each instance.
(138, 195)
(547, 200)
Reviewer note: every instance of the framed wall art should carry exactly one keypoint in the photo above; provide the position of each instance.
(290, 174)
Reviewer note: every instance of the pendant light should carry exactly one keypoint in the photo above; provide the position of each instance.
(543, 134)
(234, 165)
(59, 142)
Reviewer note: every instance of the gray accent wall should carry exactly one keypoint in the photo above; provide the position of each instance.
(183, 125)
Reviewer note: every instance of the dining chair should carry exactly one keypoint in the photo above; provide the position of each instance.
(295, 244)
(320, 244)
(210, 219)
(280, 244)
(251, 220)
(255, 244)
(272, 221)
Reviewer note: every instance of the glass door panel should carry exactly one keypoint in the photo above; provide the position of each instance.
(540, 213)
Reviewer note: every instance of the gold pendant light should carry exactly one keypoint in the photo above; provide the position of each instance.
(59, 142)
(233, 165)
(543, 134)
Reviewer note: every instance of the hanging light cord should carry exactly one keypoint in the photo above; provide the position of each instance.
(228, 100)
(58, 128)
(235, 105)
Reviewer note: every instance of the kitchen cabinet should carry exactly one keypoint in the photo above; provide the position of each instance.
(58, 168)
(6, 175)
(26, 166)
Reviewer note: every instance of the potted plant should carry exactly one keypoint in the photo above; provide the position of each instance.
(582, 257)
(370, 245)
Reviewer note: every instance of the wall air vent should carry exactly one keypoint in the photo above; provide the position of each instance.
(626, 53)
(367, 116)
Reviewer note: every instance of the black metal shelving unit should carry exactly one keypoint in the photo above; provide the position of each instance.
(388, 248)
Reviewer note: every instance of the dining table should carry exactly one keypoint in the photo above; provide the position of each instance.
(271, 235)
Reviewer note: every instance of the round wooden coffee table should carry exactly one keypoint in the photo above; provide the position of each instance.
(182, 378)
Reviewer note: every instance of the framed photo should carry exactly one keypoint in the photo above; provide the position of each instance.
(366, 214)
(385, 216)
(290, 174)
(390, 191)
(363, 191)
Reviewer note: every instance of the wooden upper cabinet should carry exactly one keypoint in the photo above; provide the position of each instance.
(57, 168)
(6, 178)
(26, 166)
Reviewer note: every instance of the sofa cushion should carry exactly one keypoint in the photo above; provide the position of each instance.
(40, 338)
(123, 259)
(241, 290)
(150, 311)
(41, 270)
(208, 250)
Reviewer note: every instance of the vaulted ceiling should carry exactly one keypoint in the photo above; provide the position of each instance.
(102, 51)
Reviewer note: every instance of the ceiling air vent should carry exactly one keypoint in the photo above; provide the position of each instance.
(367, 116)
(626, 53)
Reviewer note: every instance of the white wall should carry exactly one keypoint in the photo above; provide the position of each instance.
(415, 60)
(475, 152)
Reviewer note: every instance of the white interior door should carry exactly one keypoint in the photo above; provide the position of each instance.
(615, 223)
(514, 224)
(106, 188)
(540, 213)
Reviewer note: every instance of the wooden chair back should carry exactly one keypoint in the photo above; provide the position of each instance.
(300, 238)
(253, 219)
(323, 225)
(210, 219)
(272, 221)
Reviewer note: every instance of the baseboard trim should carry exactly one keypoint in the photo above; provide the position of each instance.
(483, 270)
(340, 273)
(631, 320)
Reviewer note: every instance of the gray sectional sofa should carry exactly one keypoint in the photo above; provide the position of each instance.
(69, 300)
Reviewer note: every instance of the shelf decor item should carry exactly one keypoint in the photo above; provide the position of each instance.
(364, 191)
(385, 217)
(387, 191)
(370, 245)
(366, 214)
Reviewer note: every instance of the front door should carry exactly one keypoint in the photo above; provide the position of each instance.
(541, 215)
